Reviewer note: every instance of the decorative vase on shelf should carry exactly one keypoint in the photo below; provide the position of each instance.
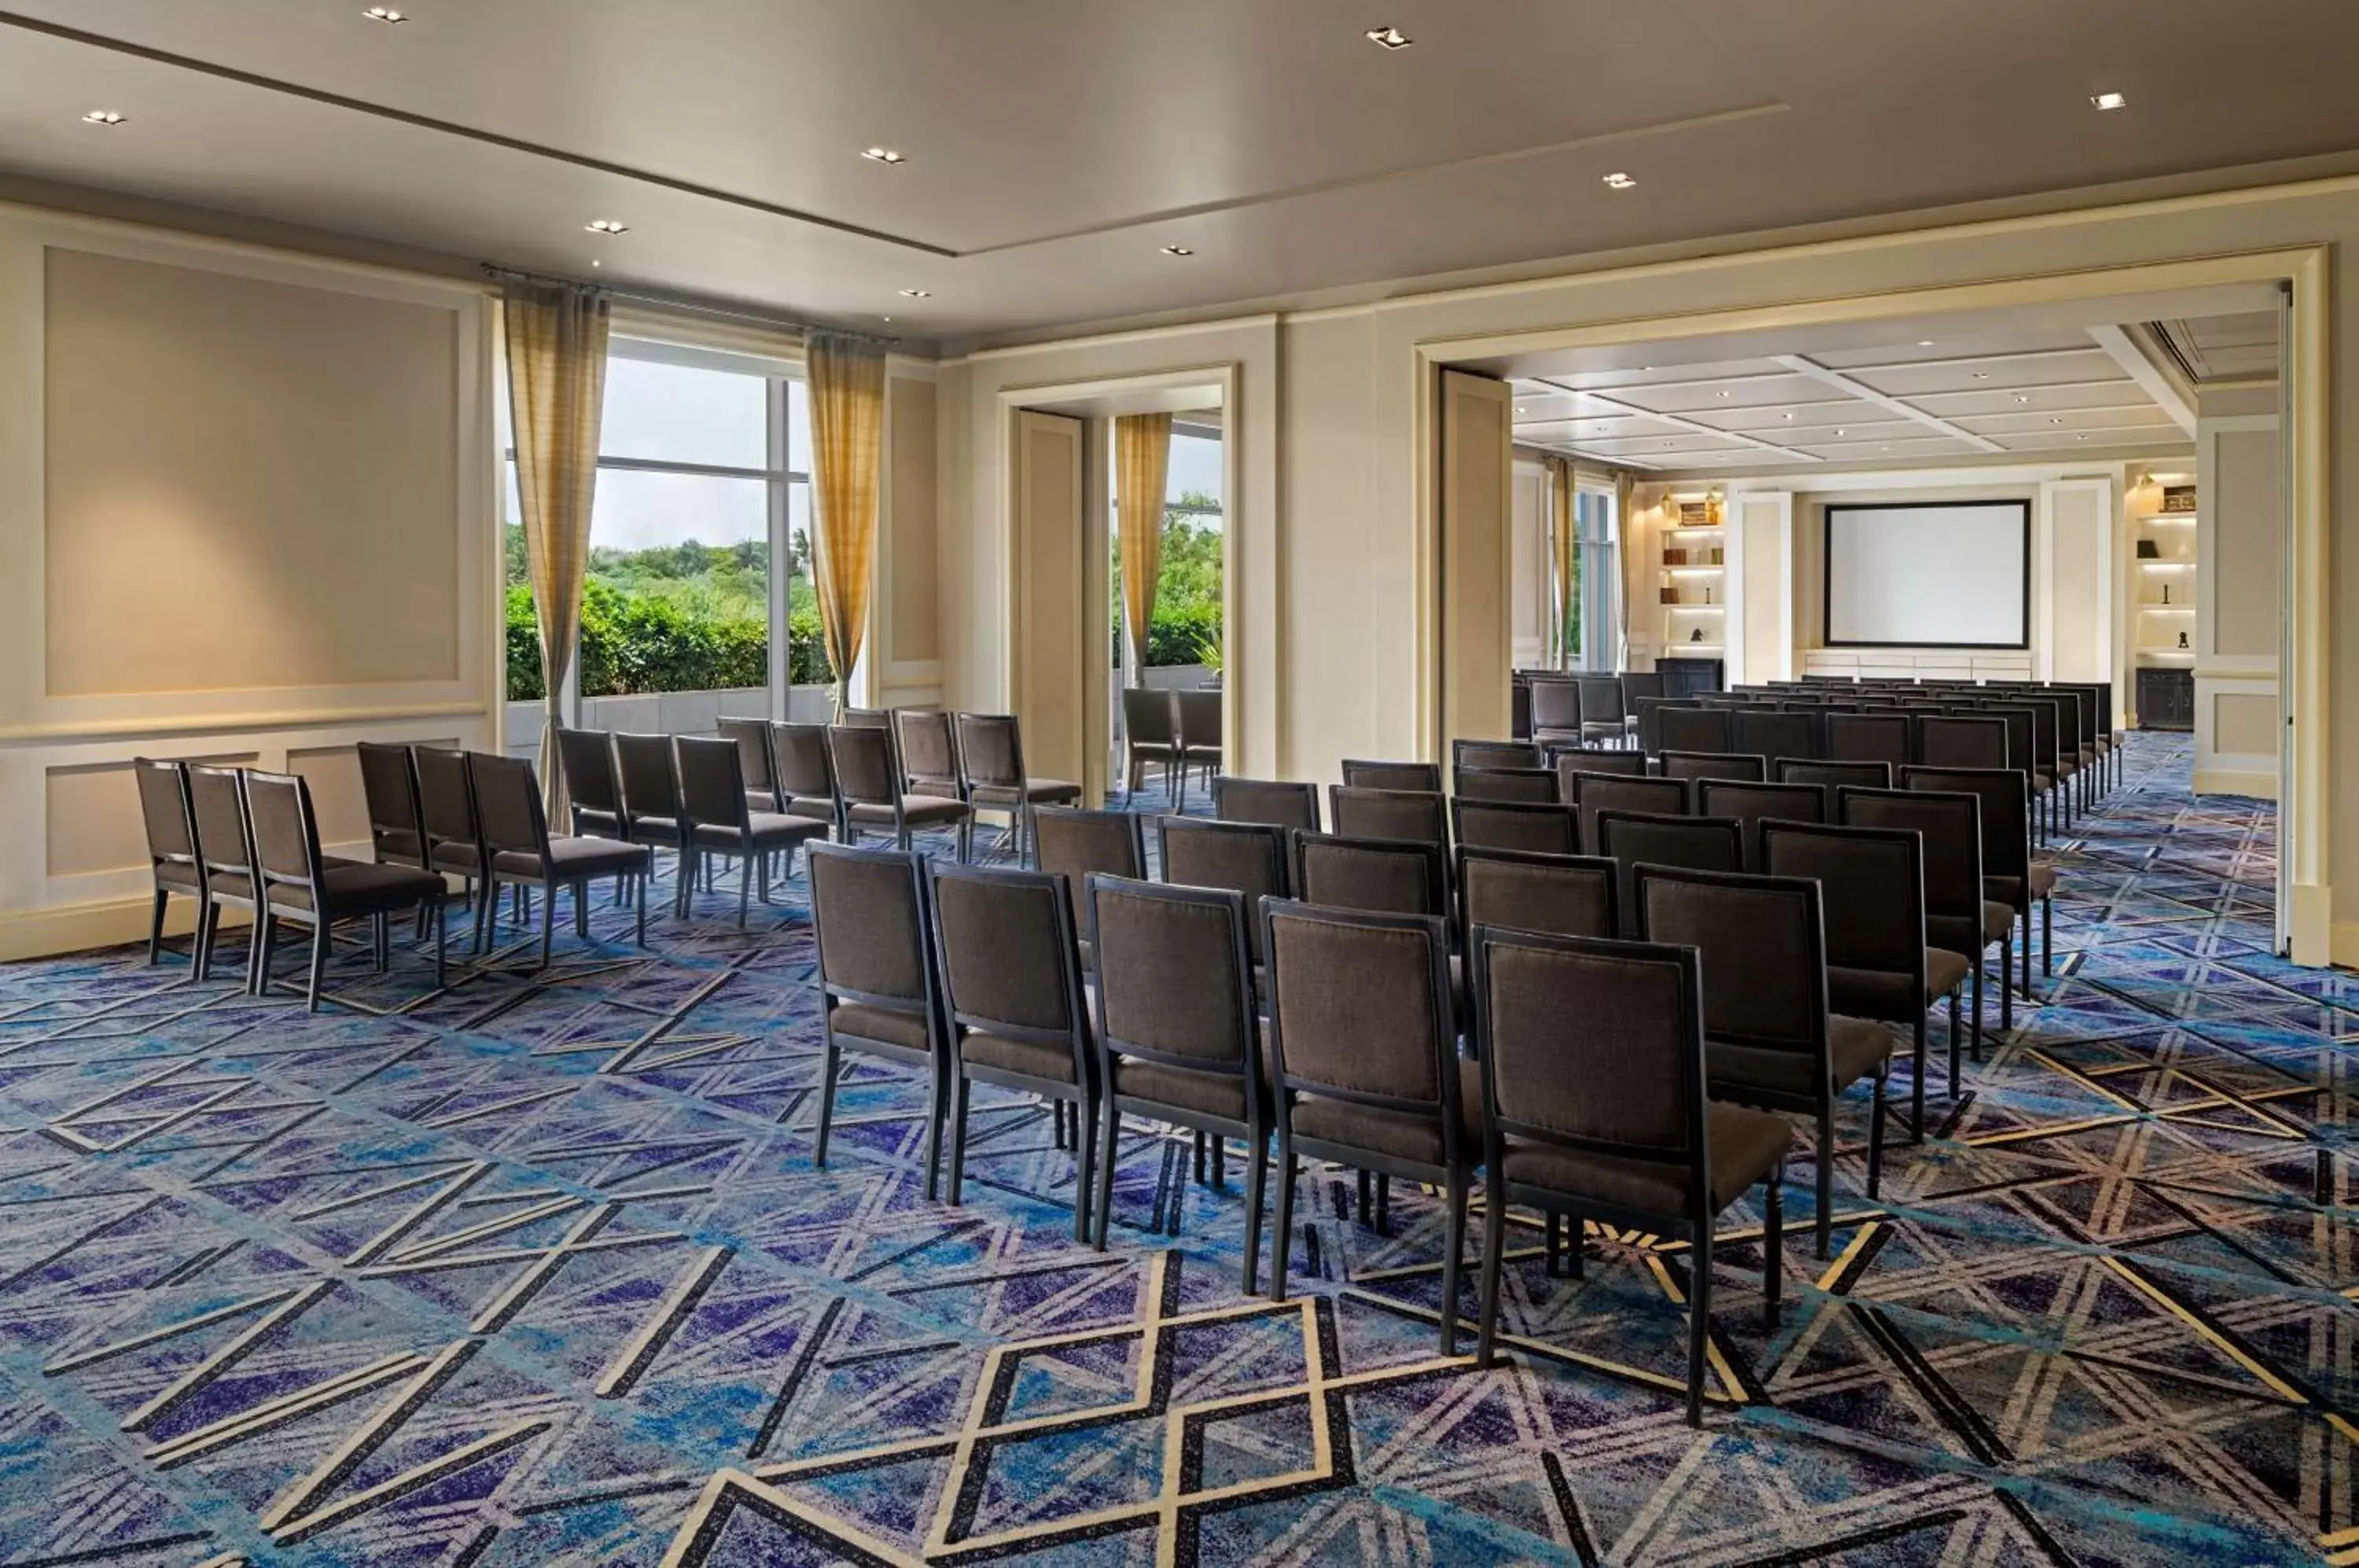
(2182, 640)
(2166, 592)
(1697, 635)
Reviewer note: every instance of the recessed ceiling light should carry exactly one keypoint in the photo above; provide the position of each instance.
(1924, 342)
(883, 155)
(384, 13)
(595, 262)
(1720, 393)
(1842, 433)
(1982, 376)
(1617, 181)
(1178, 250)
(2023, 397)
(2110, 101)
(1521, 410)
(916, 293)
(607, 227)
(2080, 438)
(102, 117)
(1785, 416)
(2055, 419)
(1388, 37)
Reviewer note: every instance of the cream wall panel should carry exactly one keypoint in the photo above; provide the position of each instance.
(1049, 692)
(1762, 579)
(2241, 495)
(2245, 723)
(231, 505)
(334, 772)
(94, 822)
(1476, 431)
(2076, 633)
(911, 556)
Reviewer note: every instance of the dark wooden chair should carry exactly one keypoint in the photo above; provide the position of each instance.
(874, 939)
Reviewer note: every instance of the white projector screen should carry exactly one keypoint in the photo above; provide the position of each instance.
(1938, 574)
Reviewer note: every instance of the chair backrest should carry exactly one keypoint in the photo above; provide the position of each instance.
(867, 766)
(1562, 895)
(1833, 774)
(1175, 977)
(929, 751)
(1569, 761)
(712, 788)
(1694, 729)
(1630, 839)
(1383, 876)
(1595, 792)
(2022, 732)
(586, 758)
(1247, 858)
(1200, 720)
(1950, 826)
(1776, 733)
(1628, 1083)
(286, 835)
(1752, 804)
(446, 797)
(1946, 741)
(1867, 737)
(1004, 952)
(1410, 815)
(2005, 810)
(1555, 703)
(1423, 777)
(1533, 786)
(990, 751)
(1519, 709)
(1076, 844)
(1637, 683)
(802, 763)
(1871, 889)
(217, 806)
(1701, 764)
(869, 923)
(1281, 802)
(752, 739)
(1514, 824)
(507, 798)
(389, 786)
(1150, 717)
(1466, 754)
(2045, 751)
(1361, 1010)
(650, 777)
(1601, 699)
(164, 807)
(1763, 954)
(865, 718)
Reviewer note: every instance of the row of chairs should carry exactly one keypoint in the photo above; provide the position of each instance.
(1335, 1028)
(1177, 731)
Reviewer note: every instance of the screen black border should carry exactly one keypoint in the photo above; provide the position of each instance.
(1827, 570)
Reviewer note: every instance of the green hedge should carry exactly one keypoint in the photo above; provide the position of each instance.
(633, 642)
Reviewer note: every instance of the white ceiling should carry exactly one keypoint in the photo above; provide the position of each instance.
(1055, 147)
(1943, 389)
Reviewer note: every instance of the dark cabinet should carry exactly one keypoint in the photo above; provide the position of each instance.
(1686, 677)
(2166, 698)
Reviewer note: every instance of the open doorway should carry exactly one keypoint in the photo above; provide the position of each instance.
(1180, 594)
(2138, 450)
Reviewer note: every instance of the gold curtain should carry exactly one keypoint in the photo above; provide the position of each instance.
(1142, 464)
(1564, 551)
(847, 417)
(1627, 551)
(556, 336)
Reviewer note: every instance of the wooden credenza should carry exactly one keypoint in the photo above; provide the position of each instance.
(2166, 698)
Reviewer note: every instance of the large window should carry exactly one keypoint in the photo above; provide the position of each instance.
(703, 486)
(1590, 628)
(1187, 623)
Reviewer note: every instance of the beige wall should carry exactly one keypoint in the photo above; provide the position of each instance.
(909, 548)
(2241, 492)
(1343, 436)
(244, 515)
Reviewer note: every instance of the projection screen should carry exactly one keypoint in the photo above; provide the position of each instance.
(1936, 574)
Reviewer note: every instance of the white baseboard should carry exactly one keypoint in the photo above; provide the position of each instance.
(104, 922)
(2260, 784)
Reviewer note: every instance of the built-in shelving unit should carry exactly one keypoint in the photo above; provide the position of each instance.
(1692, 580)
(2163, 574)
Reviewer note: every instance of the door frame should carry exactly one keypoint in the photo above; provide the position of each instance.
(2305, 802)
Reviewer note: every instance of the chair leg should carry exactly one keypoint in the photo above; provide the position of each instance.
(958, 1133)
(261, 948)
(201, 942)
(1486, 1294)
(1384, 1205)
(318, 963)
(1974, 1026)
(1367, 1210)
(1875, 1136)
(2047, 935)
(1257, 1157)
(1200, 1152)
(831, 1062)
(1773, 1247)
(1282, 1239)
(1553, 1253)
(1085, 1164)
(1576, 1236)
(441, 939)
(1957, 1029)
(1102, 1197)
(1452, 1261)
(547, 926)
(1825, 1161)
(156, 927)
(2006, 991)
(639, 907)
(744, 887)
(1700, 1318)
(580, 906)
(381, 940)
(933, 1129)
(1917, 1083)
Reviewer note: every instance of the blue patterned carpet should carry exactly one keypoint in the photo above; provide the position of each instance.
(537, 1269)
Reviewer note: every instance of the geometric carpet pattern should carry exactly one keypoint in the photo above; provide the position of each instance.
(536, 1268)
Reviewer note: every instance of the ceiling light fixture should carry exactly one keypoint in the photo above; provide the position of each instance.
(1617, 181)
(883, 155)
(608, 226)
(1178, 250)
(1924, 342)
(1842, 433)
(102, 117)
(1720, 393)
(1388, 37)
(916, 293)
(2055, 419)
(385, 14)
(2110, 101)
(1982, 376)
(2023, 397)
